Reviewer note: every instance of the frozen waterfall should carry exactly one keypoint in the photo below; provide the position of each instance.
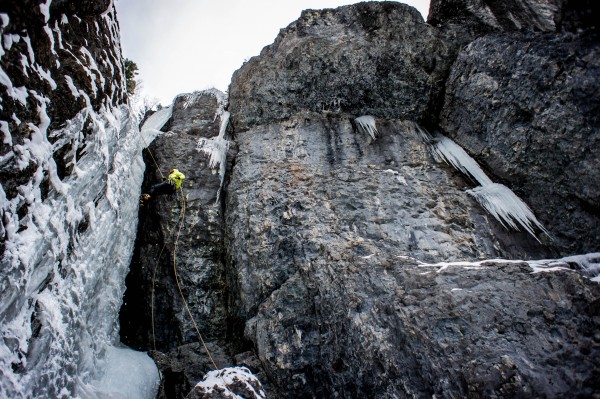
(63, 272)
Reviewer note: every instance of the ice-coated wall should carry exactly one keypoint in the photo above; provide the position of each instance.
(71, 171)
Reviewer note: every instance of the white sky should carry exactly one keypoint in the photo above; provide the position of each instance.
(186, 45)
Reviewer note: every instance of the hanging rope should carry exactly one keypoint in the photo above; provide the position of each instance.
(181, 222)
(153, 285)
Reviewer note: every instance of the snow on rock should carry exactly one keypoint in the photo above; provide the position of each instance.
(231, 382)
(589, 264)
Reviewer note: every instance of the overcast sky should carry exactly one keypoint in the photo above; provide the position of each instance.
(186, 45)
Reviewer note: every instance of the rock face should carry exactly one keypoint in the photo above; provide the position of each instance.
(515, 15)
(333, 303)
(371, 58)
(535, 124)
(199, 254)
(324, 267)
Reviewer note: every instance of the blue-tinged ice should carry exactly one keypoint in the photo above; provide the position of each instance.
(62, 276)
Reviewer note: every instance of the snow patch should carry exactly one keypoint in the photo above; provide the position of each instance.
(29, 49)
(72, 87)
(7, 136)
(224, 380)
(17, 93)
(45, 10)
(587, 264)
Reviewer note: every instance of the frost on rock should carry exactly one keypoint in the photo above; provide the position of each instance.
(231, 382)
(497, 199)
(191, 98)
(216, 148)
(366, 125)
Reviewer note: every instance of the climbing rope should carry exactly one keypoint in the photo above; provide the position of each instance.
(177, 281)
(152, 299)
(181, 221)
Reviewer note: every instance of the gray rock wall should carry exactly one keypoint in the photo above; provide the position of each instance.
(320, 257)
(526, 107)
(199, 255)
(370, 58)
(333, 307)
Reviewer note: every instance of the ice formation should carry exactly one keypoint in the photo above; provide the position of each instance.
(227, 382)
(499, 200)
(366, 124)
(117, 382)
(502, 203)
(216, 148)
(63, 272)
(68, 240)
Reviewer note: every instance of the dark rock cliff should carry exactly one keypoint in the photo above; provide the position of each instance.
(318, 268)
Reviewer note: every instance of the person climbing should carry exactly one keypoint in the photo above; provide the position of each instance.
(172, 184)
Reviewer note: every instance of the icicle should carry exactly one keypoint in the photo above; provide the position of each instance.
(499, 200)
(506, 207)
(447, 150)
(366, 124)
(216, 148)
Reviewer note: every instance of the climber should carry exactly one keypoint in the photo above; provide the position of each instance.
(172, 184)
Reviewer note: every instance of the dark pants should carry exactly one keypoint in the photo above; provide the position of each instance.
(162, 189)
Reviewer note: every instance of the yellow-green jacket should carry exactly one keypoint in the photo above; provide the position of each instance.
(176, 177)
